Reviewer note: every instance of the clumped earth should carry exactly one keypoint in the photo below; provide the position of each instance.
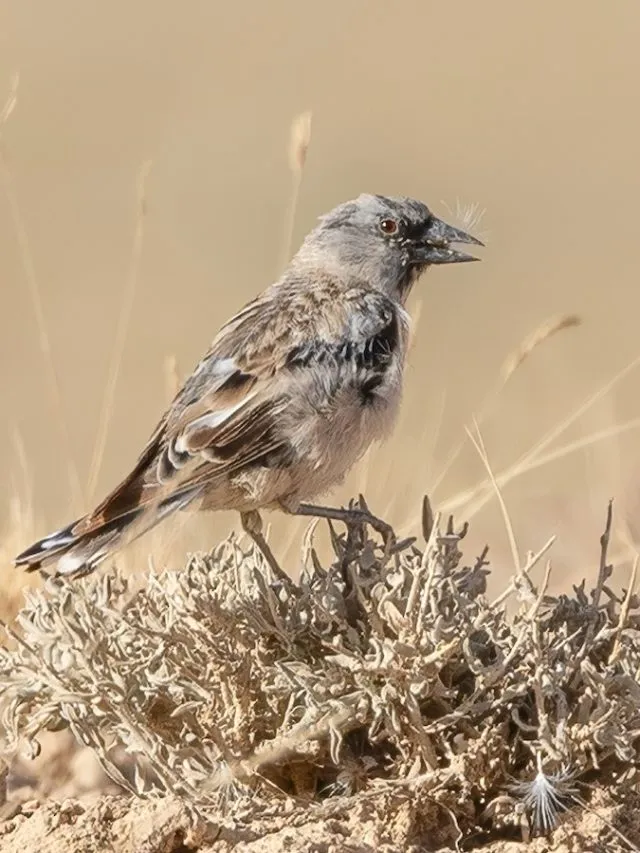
(381, 703)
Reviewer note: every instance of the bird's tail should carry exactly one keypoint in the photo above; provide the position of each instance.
(81, 546)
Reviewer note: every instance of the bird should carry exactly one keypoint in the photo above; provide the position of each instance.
(291, 393)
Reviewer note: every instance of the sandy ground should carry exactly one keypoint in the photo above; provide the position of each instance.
(112, 824)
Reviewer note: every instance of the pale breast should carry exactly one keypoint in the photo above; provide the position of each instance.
(337, 414)
(340, 399)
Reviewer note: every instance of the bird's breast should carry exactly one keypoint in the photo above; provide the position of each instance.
(338, 414)
(341, 397)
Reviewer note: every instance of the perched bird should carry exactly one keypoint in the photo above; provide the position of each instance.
(291, 393)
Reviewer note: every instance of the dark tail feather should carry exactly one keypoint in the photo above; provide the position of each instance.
(80, 553)
(45, 550)
(76, 554)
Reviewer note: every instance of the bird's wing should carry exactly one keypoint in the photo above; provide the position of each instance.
(228, 413)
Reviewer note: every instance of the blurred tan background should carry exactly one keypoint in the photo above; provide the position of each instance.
(529, 111)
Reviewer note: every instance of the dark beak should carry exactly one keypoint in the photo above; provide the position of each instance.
(434, 248)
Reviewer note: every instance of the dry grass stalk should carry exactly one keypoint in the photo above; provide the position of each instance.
(299, 141)
(478, 443)
(33, 286)
(475, 498)
(546, 330)
(120, 337)
(171, 377)
(12, 100)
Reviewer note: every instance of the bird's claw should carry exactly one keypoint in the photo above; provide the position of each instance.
(386, 532)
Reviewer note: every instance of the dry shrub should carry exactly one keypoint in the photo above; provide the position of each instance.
(375, 677)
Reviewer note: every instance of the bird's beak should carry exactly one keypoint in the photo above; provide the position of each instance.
(434, 248)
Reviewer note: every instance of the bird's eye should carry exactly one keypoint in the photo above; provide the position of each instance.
(388, 226)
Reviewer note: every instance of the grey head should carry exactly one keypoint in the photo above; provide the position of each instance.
(386, 242)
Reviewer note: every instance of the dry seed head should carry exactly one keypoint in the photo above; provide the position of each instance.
(545, 331)
(545, 797)
(468, 215)
(299, 141)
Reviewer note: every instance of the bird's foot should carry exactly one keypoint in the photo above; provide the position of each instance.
(352, 516)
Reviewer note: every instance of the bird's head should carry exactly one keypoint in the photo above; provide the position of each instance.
(387, 242)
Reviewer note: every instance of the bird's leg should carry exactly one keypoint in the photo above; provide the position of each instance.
(252, 526)
(350, 516)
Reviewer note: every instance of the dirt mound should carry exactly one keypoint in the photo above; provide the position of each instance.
(361, 824)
